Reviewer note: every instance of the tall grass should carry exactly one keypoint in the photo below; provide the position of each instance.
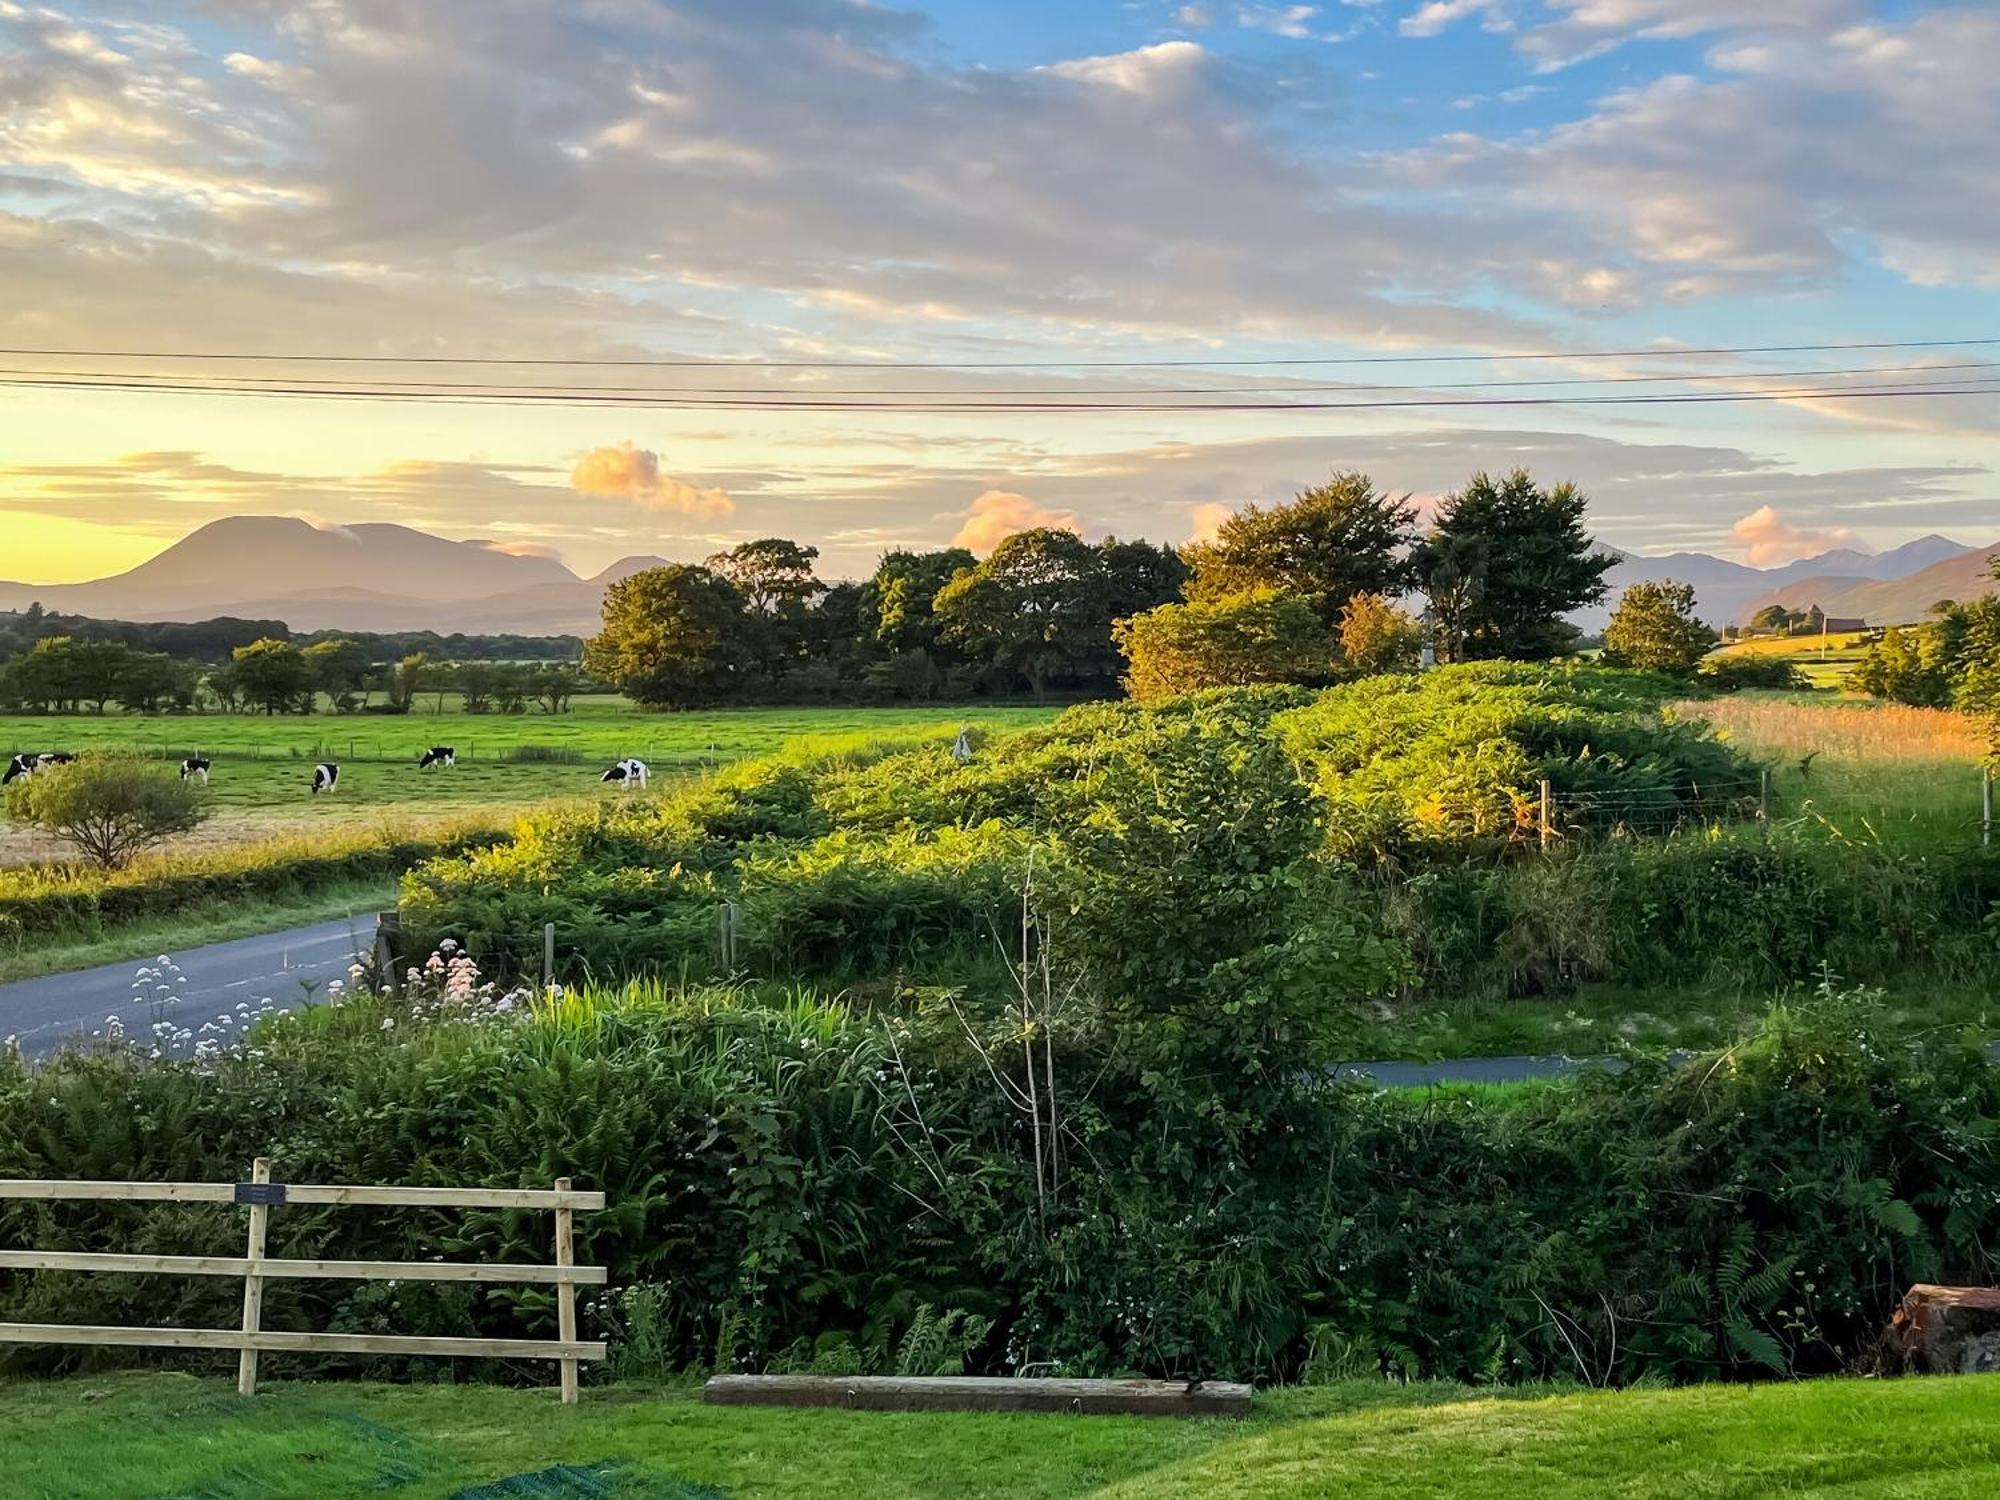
(1866, 774)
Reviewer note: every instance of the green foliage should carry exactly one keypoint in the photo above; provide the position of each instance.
(1654, 628)
(1504, 562)
(1332, 542)
(1039, 610)
(1377, 637)
(672, 637)
(107, 805)
(1734, 671)
(1257, 636)
(797, 1183)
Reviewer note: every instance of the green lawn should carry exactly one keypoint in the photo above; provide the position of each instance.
(263, 765)
(124, 1437)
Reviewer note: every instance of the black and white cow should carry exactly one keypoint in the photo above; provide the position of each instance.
(438, 755)
(195, 765)
(27, 765)
(627, 773)
(326, 776)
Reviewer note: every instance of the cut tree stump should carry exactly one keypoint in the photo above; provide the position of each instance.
(1947, 1330)
(1142, 1398)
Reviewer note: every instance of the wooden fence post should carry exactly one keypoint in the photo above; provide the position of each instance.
(253, 1285)
(1545, 815)
(1986, 809)
(566, 1295)
(1764, 802)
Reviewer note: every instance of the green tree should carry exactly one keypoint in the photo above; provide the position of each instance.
(1906, 666)
(672, 637)
(108, 807)
(1036, 609)
(1257, 636)
(340, 669)
(897, 604)
(1772, 617)
(406, 679)
(272, 675)
(553, 685)
(153, 680)
(1377, 637)
(1333, 541)
(1505, 561)
(775, 578)
(1654, 628)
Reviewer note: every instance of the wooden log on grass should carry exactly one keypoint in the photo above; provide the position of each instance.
(1947, 1330)
(1138, 1398)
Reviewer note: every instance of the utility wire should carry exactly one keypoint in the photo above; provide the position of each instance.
(497, 387)
(931, 406)
(990, 364)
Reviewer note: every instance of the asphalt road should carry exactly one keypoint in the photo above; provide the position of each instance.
(286, 967)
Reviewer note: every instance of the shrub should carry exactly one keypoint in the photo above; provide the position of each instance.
(1733, 671)
(793, 1182)
(1258, 636)
(108, 806)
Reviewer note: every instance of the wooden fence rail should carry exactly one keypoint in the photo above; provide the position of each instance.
(261, 1195)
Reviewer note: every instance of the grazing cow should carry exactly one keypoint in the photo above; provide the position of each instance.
(326, 776)
(438, 755)
(27, 765)
(195, 765)
(627, 773)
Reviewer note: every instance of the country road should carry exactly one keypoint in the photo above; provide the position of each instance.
(283, 966)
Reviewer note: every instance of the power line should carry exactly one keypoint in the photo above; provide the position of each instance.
(585, 398)
(990, 364)
(495, 387)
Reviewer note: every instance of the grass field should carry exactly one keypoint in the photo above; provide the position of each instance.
(1861, 771)
(145, 1437)
(1824, 659)
(263, 766)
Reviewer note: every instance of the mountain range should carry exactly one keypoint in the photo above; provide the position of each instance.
(385, 577)
(364, 577)
(1885, 588)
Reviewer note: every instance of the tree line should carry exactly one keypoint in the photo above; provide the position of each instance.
(212, 641)
(1302, 591)
(271, 675)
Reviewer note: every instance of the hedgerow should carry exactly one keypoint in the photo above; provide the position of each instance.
(787, 1172)
(1224, 839)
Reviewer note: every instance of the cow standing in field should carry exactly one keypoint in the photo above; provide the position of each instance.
(326, 776)
(628, 774)
(27, 765)
(193, 766)
(438, 755)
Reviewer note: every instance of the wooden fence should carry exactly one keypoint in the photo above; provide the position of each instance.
(261, 1195)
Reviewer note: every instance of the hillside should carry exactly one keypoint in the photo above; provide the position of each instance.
(1728, 591)
(364, 577)
(1891, 601)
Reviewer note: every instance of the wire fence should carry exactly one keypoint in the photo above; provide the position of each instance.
(1953, 810)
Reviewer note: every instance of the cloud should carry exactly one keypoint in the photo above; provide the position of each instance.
(1161, 68)
(998, 514)
(624, 472)
(1438, 15)
(523, 549)
(1772, 540)
(1207, 519)
(1293, 21)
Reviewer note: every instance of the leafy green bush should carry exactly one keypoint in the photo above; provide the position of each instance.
(796, 1183)
(1734, 671)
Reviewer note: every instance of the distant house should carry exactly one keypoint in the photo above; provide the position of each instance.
(1819, 622)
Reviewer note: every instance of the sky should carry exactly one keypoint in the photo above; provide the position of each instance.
(1051, 194)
